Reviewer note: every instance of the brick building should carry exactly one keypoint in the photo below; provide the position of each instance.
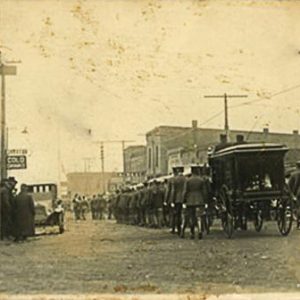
(135, 163)
(158, 145)
(168, 146)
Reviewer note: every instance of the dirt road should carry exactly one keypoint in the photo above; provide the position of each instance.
(104, 257)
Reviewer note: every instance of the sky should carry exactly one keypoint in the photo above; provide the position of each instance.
(112, 70)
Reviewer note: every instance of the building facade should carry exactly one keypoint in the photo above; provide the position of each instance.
(168, 146)
(135, 163)
(91, 183)
(158, 145)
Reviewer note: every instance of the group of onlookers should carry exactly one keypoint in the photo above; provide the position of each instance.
(16, 211)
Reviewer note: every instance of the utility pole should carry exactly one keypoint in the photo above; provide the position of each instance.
(225, 97)
(123, 143)
(4, 71)
(102, 166)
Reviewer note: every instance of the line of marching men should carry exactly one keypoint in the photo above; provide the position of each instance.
(96, 205)
(177, 201)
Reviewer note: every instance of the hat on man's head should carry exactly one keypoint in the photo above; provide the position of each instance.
(12, 180)
(23, 186)
(196, 169)
(178, 169)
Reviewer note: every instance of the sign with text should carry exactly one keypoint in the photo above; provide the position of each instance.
(17, 152)
(16, 162)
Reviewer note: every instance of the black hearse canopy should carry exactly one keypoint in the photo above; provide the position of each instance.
(249, 148)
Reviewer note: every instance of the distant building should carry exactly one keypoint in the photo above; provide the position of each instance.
(135, 163)
(168, 146)
(90, 183)
(63, 190)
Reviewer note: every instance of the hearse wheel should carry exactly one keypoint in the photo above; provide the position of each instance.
(258, 221)
(285, 214)
(206, 223)
(227, 216)
(207, 220)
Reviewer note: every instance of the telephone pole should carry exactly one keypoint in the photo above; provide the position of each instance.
(102, 165)
(4, 71)
(123, 143)
(226, 97)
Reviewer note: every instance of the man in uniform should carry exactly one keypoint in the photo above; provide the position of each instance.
(134, 205)
(102, 206)
(143, 203)
(84, 207)
(116, 206)
(138, 203)
(157, 199)
(168, 200)
(76, 206)
(194, 200)
(123, 209)
(131, 206)
(94, 205)
(294, 186)
(207, 194)
(176, 198)
(110, 206)
(166, 209)
(150, 204)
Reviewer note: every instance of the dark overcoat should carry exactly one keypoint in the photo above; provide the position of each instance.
(178, 187)
(24, 214)
(5, 212)
(169, 191)
(157, 197)
(294, 183)
(194, 191)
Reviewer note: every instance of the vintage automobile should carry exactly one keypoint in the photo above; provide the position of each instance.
(248, 184)
(48, 210)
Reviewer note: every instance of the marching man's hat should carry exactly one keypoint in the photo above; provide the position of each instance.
(178, 169)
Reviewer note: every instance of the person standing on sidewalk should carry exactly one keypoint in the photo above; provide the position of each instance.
(24, 212)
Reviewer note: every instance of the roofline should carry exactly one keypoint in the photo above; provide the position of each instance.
(135, 146)
(219, 130)
(167, 127)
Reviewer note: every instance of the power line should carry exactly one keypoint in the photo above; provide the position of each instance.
(225, 96)
(268, 97)
(102, 142)
(252, 101)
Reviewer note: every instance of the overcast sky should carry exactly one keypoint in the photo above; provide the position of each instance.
(121, 68)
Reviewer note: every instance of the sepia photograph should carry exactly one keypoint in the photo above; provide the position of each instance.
(150, 149)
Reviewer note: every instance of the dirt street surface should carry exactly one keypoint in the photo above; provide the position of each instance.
(105, 257)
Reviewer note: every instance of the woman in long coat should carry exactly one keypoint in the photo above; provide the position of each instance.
(24, 214)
